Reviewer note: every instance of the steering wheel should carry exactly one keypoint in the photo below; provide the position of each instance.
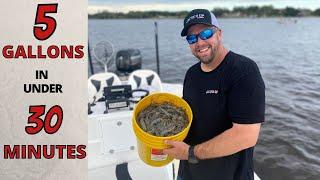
(143, 93)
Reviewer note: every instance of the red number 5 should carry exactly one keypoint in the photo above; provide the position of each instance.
(43, 33)
(38, 111)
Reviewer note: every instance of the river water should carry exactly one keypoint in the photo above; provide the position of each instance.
(288, 55)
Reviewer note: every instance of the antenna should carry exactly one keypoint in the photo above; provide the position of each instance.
(157, 46)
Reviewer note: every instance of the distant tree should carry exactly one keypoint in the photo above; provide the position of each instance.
(316, 12)
(269, 11)
(182, 14)
(240, 10)
(220, 12)
(305, 12)
(290, 12)
(264, 11)
(253, 10)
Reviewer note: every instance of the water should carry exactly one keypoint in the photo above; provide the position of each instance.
(288, 55)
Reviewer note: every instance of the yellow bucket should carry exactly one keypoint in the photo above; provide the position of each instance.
(150, 147)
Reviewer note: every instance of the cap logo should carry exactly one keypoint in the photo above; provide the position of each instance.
(196, 16)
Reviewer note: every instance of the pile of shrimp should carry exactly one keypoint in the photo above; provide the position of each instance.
(163, 119)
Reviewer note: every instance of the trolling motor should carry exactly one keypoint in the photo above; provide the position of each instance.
(121, 96)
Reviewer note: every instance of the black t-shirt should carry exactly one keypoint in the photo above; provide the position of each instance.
(233, 92)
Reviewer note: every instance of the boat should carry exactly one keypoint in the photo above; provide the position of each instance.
(112, 148)
(112, 151)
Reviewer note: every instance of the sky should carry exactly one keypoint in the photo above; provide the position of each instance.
(178, 5)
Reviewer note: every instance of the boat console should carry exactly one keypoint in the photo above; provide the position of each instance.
(112, 150)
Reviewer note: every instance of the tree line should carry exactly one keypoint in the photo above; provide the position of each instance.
(251, 11)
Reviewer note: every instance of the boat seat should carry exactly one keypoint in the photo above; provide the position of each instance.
(97, 82)
(92, 91)
(145, 79)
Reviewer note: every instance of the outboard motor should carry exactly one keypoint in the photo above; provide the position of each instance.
(128, 60)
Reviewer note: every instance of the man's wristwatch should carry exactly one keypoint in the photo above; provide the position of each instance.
(192, 158)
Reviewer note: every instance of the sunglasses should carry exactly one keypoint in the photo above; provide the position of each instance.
(204, 35)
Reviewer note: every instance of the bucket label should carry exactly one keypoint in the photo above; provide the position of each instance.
(157, 155)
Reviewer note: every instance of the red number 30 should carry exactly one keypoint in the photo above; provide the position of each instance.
(43, 33)
(38, 111)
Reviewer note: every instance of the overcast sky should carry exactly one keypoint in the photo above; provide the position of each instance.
(178, 5)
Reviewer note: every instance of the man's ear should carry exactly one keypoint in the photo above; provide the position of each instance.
(219, 34)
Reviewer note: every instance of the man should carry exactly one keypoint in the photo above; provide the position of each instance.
(227, 96)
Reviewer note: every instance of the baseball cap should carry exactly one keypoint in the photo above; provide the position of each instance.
(198, 16)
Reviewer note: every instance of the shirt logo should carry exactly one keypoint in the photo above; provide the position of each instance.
(198, 16)
(212, 91)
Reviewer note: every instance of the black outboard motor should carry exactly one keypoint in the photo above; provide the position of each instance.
(128, 60)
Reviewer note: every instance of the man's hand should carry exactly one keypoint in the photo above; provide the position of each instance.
(178, 150)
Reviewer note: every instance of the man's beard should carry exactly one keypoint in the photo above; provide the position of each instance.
(208, 59)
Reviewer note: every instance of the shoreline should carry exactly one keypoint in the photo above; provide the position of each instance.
(246, 17)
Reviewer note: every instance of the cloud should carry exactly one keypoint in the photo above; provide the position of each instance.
(146, 7)
(178, 5)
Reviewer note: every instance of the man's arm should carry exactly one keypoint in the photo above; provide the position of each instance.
(233, 140)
